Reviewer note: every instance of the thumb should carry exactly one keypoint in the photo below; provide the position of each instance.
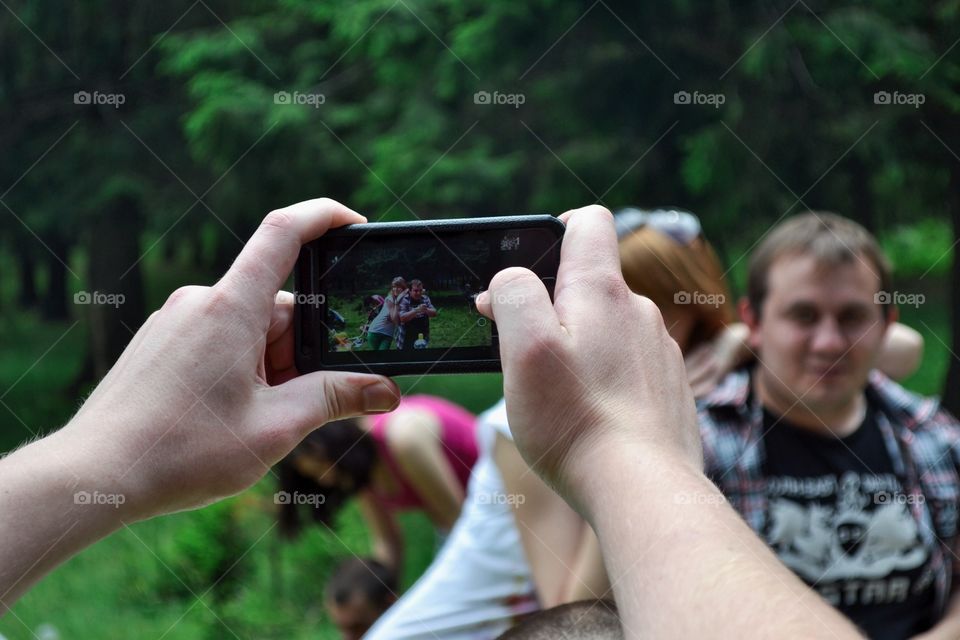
(316, 398)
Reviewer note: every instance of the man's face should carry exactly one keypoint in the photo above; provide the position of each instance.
(354, 617)
(819, 332)
(416, 291)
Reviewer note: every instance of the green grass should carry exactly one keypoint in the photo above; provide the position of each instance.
(165, 577)
(455, 325)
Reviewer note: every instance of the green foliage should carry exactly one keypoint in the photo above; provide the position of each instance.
(920, 249)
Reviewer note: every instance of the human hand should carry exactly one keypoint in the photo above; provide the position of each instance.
(572, 398)
(206, 396)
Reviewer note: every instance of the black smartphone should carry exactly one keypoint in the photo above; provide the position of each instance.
(398, 298)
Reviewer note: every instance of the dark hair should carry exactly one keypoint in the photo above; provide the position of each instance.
(831, 239)
(586, 619)
(350, 449)
(366, 576)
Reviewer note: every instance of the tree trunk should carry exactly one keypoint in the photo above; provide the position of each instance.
(27, 267)
(860, 192)
(54, 303)
(115, 302)
(951, 387)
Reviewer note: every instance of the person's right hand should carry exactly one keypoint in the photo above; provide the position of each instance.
(593, 372)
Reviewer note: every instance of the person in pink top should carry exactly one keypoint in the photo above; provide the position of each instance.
(418, 456)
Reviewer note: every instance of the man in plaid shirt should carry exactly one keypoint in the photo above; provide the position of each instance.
(851, 480)
(415, 313)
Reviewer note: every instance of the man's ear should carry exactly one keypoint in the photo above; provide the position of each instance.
(751, 318)
(893, 314)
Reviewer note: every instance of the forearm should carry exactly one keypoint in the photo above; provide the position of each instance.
(590, 580)
(668, 537)
(389, 551)
(55, 500)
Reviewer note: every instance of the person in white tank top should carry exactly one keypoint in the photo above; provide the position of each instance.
(480, 583)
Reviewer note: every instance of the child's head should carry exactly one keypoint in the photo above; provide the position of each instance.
(358, 593)
(331, 465)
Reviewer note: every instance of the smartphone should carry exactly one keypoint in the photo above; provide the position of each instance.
(397, 298)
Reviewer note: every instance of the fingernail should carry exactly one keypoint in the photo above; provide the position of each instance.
(379, 397)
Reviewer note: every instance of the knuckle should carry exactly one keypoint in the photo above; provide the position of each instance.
(278, 219)
(219, 301)
(511, 276)
(611, 286)
(331, 398)
(182, 294)
(598, 210)
(649, 311)
(647, 307)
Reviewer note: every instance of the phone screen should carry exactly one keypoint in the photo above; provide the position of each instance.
(407, 295)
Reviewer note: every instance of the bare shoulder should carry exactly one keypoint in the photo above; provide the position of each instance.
(412, 429)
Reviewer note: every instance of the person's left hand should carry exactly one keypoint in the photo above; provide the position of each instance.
(206, 397)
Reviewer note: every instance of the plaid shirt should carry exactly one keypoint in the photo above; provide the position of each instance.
(923, 442)
(407, 305)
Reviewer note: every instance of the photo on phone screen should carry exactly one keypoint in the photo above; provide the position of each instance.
(418, 294)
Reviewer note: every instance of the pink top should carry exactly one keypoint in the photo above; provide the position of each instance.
(457, 434)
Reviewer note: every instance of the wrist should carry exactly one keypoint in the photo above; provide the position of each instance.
(608, 473)
(104, 479)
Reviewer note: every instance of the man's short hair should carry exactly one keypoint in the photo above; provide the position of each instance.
(416, 281)
(582, 620)
(831, 239)
(366, 576)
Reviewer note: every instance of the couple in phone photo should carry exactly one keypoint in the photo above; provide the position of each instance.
(404, 313)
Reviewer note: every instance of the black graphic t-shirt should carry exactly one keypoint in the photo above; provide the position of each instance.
(838, 518)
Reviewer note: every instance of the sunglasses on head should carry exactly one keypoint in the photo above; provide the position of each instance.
(680, 225)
